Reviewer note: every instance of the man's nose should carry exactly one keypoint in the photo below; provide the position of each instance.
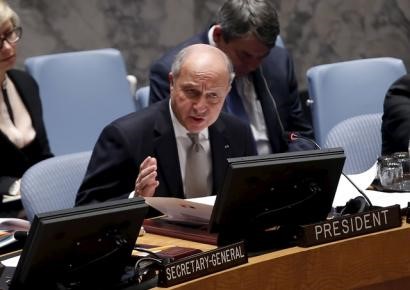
(200, 103)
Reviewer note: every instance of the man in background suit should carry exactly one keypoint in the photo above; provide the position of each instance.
(264, 92)
(396, 117)
(146, 151)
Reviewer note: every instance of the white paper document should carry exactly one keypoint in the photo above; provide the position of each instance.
(14, 224)
(194, 210)
(11, 262)
(346, 191)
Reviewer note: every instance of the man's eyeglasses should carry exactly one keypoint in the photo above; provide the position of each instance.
(11, 37)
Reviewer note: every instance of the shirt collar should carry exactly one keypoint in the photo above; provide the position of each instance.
(181, 131)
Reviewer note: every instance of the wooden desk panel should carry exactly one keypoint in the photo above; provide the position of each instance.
(376, 261)
(151, 239)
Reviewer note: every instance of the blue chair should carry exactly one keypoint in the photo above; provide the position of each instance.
(361, 139)
(52, 184)
(81, 92)
(142, 98)
(132, 81)
(342, 90)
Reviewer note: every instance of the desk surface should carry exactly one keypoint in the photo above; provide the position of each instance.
(375, 261)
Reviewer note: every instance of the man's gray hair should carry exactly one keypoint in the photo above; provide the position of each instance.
(239, 18)
(181, 56)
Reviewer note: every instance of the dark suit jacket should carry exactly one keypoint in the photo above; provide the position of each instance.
(15, 161)
(278, 95)
(126, 142)
(396, 117)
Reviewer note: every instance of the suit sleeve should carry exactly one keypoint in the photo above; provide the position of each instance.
(5, 184)
(396, 118)
(111, 172)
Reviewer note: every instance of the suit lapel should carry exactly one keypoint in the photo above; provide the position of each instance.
(221, 150)
(165, 148)
(234, 104)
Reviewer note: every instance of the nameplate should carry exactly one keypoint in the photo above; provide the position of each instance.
(202, 264)
(351, 226)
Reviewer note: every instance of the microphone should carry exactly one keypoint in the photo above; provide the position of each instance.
(20, 235)
(293, 136)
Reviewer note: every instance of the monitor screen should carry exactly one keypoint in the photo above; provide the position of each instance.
(275, 193)
(79, 247)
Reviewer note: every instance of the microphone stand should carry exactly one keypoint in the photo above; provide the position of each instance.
(292, 136)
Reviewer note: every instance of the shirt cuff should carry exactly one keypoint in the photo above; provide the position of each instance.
(132, 194)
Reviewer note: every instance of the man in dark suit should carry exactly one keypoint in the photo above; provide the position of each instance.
(148, 150)
(396, 117)
(264, 92)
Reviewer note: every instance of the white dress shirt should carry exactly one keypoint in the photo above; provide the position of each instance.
(183, 143)
(21, 131)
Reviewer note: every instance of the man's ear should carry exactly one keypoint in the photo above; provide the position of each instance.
(171, 81)
(217, 34)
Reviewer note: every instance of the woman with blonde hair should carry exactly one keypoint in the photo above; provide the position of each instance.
(23, 139)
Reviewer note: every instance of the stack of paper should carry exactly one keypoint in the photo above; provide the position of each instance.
(194, 210)
(8, 226)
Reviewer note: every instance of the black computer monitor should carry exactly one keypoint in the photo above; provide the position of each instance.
(87, 247)
(265, 198)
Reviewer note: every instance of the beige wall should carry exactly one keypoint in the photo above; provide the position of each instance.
(316, 31)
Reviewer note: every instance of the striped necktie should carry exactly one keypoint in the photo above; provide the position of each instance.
(196, 170)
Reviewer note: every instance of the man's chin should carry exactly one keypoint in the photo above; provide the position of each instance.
(195, 127)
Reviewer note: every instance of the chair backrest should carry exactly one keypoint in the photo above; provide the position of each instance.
(361, 139)
(142, 97)
(132, 81)
(346, 89)
(81, 92)
(52, 184)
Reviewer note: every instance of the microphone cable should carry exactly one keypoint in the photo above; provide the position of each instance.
(292, 136)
